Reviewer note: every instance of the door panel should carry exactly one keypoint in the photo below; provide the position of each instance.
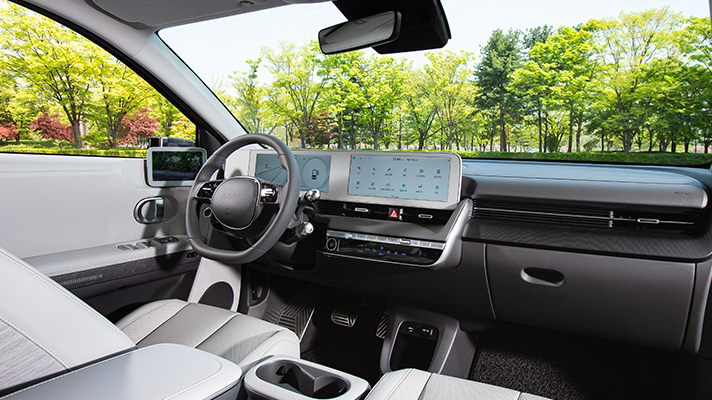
(73, 215)
(53, 204)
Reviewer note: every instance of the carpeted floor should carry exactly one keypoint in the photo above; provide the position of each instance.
(564, 366)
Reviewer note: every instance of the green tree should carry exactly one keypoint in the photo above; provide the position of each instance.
(298, 83)
(250, 96)
(19, 109)
(381, 84)
(565, 62)
(626, 49)
(344, 95)
(500, 58)
(447, 84)
(696, 43)
(120, 91)
(533, 100)
(166, 112)
(420, 112)
(56, 62)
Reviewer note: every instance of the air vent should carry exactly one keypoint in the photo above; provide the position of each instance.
(377, 211)
(586, 217)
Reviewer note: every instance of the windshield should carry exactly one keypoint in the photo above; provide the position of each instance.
(608, 81)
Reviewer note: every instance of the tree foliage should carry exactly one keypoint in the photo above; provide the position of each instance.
(8, 131)
(50, 127)
(49, 72)
(495, 73)
(138, 126)
(641, 81)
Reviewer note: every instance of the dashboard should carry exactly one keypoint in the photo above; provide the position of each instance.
(617, 252)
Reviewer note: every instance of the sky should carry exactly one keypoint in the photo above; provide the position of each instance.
(214, 49)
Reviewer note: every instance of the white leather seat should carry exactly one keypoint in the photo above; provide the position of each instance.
(45, 330)
(412, 384)
(239, 338)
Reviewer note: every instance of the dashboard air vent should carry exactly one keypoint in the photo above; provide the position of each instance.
(586, 217)
(377, 211)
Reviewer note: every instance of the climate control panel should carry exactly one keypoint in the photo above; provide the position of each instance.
(400, 250)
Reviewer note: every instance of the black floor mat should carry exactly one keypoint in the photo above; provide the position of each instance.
(353, 350)
(563, 366)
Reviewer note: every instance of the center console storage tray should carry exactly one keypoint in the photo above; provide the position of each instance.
(286, 378)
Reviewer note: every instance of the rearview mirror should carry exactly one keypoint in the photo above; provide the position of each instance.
(365, 32)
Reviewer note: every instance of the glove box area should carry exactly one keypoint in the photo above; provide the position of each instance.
(644, 302)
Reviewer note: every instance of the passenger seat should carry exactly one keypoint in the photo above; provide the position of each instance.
(412, 384)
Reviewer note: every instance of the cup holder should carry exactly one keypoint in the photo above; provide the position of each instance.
(303, 379)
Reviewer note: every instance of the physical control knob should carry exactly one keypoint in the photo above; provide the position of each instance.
(310, 196)
(305, 230)
(300, 232)
(331, 244)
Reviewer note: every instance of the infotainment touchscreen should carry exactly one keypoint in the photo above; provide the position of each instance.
(400, 177)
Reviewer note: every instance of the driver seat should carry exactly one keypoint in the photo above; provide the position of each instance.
(46, 331)
(239, 338)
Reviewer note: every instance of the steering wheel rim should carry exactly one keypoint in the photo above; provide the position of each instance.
(287, 200)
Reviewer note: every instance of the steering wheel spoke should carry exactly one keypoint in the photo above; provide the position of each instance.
(206, 191)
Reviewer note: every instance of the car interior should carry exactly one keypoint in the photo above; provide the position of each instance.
(295, 274)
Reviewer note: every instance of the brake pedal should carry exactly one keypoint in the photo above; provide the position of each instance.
(346, 319)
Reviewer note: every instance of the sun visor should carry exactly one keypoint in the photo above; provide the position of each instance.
(423, 24)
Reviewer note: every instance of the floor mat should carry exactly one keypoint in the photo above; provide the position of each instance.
(354, 350)
(554, 364)
(296, 312)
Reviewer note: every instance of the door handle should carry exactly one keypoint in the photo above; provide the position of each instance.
(542, 276)
(154, 206)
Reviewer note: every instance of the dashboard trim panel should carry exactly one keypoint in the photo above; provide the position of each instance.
(452, 248)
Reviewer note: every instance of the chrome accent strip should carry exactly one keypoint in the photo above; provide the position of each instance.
(589, 217)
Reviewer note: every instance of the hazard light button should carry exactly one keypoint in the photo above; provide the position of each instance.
(395, 213)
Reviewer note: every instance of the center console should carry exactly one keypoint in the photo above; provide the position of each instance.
(287, 378)
(156, 372)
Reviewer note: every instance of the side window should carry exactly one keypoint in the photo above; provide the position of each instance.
(62, 94)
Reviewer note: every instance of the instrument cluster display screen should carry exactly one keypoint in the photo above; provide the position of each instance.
(314, 170)
(400, 177)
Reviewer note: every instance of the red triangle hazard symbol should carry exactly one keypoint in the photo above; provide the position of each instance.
(394, 214)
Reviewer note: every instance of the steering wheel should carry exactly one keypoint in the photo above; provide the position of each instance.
(236, 203)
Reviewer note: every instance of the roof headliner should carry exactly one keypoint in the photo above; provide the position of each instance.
(158, 14)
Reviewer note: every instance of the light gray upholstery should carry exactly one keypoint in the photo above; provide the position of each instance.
(44, 329)
(164, 371)
(239, 338)
(411, 384)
